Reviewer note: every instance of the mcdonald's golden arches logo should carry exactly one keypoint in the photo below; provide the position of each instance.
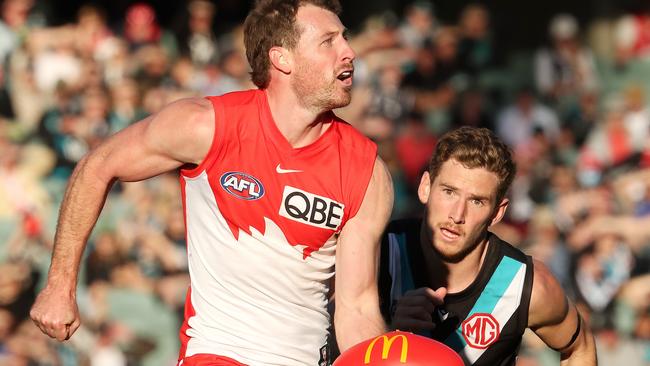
(387, 344)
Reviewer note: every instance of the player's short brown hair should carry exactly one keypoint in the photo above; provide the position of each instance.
(476, 148)
(273, 23)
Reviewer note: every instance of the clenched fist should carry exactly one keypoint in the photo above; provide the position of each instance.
(414, 309)
(55, 313)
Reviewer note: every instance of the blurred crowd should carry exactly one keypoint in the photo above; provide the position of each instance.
(575, 113)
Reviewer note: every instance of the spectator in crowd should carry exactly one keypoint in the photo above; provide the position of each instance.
(197, 40)
(472, 110)
(16, 21)
(92, 35)
(632, 36)
(475, 47)
(566, 68)
(419, 25)
(414, 146)
(517, 123)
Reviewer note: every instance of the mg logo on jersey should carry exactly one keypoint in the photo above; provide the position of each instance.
(481, 330)
(386, 345)
(311, 209)
(242, 185)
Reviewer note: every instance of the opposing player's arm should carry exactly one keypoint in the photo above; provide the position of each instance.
(180, 133)
(357, 315)
(555, 319)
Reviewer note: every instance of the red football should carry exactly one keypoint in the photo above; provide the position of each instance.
(397, 349)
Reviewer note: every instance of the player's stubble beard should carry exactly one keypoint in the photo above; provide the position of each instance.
(469, 243)
(471, 240)
(317, 93)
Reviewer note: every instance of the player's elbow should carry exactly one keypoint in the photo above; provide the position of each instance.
(582, 352)
(92, 169)
(361, 315)
(344, 315)
(343, 328)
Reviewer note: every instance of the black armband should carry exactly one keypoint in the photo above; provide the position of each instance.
(575, 334)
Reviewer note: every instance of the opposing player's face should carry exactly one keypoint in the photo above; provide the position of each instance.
(322, 74)
(460, 206)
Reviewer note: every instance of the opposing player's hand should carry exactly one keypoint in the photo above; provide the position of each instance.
(55, 313)
(415, 308)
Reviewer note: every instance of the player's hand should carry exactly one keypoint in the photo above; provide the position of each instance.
(55, 313)
(414, 309)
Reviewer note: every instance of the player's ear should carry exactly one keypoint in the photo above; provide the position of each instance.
(500, 211)
(424, 189)
(280, 59)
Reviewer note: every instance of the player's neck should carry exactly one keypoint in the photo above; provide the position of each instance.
(456, 276)
(299, 125)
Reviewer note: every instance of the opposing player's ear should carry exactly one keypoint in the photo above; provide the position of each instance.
(424, 189)
(500, 211)
(280, 59)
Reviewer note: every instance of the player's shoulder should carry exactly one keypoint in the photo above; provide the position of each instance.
(190, 104)
(237, 98)
(510, 250)
(183, 129)
(544, 282)
(348, 131)
(548, 302)
(193, 108)
(359, 152)
(192, 115)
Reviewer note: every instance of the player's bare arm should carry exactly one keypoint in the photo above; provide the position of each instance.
(555, 319)
(357, 315)
(180, 133)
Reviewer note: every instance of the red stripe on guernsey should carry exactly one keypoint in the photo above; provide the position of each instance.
(189, 312)
(189, 309)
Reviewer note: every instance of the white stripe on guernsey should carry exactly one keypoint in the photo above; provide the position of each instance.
(502, 312)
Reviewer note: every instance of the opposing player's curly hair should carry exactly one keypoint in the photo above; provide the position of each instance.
(476, 148)
(273, 23)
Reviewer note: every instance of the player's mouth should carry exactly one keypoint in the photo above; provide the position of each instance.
(346, 77)
(450, 233)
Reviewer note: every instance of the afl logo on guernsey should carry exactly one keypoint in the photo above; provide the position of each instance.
(242, 185)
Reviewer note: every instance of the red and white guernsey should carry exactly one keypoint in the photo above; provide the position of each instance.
(262, 220)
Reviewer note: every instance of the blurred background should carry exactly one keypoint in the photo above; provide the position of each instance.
(565, 83)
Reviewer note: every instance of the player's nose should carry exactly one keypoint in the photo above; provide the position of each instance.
(347, 53)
